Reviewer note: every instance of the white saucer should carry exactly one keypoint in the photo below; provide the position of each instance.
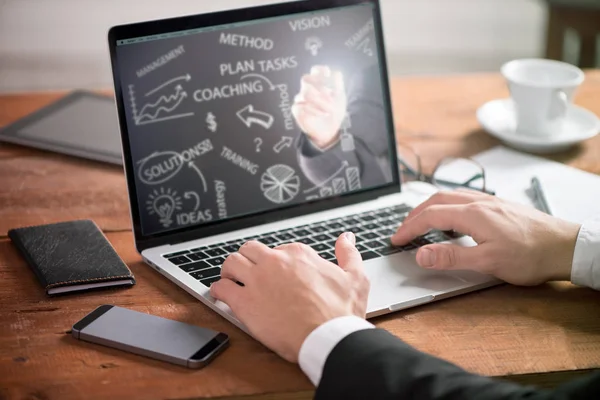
(498, 118)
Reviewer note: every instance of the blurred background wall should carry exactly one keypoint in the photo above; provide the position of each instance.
(61, 44)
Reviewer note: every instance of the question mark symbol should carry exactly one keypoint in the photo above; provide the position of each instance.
(258, 142)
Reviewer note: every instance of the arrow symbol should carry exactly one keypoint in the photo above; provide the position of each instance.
(285, 141)
(186, 77)
(194, 167)
(250, 116)
(189, 195)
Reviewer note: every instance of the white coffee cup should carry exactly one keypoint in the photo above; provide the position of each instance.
(542, 92)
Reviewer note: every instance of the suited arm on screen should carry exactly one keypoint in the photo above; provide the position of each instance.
(312, 311)
(329, 139)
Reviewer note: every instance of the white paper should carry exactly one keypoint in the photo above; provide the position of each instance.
(572, 194)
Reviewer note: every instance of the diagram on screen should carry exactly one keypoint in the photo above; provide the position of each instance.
(161, 103)
(280, 184)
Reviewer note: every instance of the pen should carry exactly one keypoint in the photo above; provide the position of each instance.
(536, 186)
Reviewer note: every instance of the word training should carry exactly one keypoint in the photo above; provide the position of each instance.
(220, 189)
(232, 39)
(227, 91)
(244, 67)
(194, 217)
(286, 107)
(240, 161)
(173, 54)
(360, 35)
(305, 24)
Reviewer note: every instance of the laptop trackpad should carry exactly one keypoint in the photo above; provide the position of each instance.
(434, 281)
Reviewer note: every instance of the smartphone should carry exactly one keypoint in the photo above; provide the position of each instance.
(151, 336)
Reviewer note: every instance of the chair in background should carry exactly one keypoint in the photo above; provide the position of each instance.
(583, 16)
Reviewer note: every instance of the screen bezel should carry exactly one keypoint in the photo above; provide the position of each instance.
(193, 232)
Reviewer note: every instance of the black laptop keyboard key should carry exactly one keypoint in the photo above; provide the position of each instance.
(319, 247)
(421, 241)
(206, 273)
(361, 248)
(369, 235)
(369, 255)
(208, 282)
(327, 255)
(318, 228)
(334, 225)
(284, 237)
(195, 266)
(300, 233)
(267, 240)
(321, 237)
(389, 250)
(368, 218)
(351, 221)
(331, 244)
(217, 262)
(179, 260)
(408, 247)
(387, 232)
(179, 253)
(197, 256)
(217, 251)
(435, 237)
(336, 234)
(371, 226)
(375, 244)
(232, 248)
(402, 208)
(305, 240)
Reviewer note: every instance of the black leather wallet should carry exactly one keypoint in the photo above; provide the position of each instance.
(71, 256)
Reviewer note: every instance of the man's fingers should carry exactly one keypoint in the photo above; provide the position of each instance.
(348, 256)
(254, 251)
(315, 97)
(237, 268)
(450, 257)
(338, 83)
(444, 197)
(228, 292)
(440, 217)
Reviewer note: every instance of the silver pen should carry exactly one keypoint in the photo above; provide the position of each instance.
(540, 196)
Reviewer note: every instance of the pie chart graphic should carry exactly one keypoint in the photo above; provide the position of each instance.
(280, 184)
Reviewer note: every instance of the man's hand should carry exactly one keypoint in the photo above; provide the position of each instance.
(320, 107)
(289, 291)
(517, 244)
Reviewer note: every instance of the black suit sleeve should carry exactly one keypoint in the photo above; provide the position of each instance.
(374, 364)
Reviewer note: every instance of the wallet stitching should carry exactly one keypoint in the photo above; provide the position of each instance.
(89, 280)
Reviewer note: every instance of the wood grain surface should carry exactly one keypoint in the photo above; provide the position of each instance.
(541, 335)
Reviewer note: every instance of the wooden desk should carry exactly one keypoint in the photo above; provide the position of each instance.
(542, 335)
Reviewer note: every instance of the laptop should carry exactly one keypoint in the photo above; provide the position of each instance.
(223, 143)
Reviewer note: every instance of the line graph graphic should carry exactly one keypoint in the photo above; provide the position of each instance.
(167, 83)
(162, 108)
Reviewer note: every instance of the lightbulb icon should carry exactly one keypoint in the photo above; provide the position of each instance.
(313, 44)
(164, 203)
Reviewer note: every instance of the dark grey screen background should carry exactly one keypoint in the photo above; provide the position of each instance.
(177, 142)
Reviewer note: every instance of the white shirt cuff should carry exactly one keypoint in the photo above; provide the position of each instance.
(586, 259)
(320, 343)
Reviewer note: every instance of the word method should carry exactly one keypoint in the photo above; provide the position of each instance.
(240, 161)
(305, 24)
(173, 54)
(244, 67)
(246, 41)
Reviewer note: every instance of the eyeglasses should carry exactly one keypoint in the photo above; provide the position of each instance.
(450, 173)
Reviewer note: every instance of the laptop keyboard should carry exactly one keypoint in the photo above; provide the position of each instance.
(373, 230)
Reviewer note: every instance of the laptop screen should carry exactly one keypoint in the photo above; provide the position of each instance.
(239, 119)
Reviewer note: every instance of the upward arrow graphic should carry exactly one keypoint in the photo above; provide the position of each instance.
(248, 115)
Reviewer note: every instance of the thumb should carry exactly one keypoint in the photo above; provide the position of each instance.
(348, 256)
(449, 256)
